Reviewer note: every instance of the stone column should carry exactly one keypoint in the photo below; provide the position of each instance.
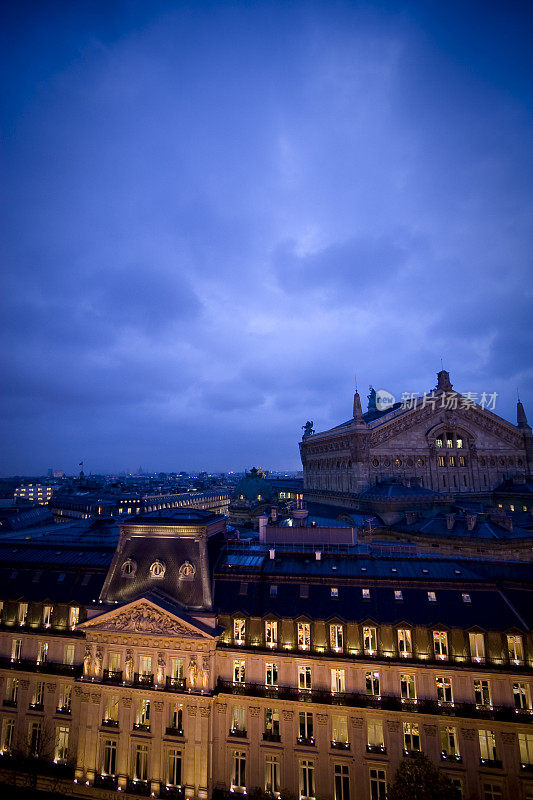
(206, 741)
(156, 723)
(125, 723)
(81, 697)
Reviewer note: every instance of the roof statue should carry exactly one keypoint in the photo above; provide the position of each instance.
(371, 398)
(308, 429)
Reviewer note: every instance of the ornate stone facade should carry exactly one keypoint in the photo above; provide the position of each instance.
(444, 444)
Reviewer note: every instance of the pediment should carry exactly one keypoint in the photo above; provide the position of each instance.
(145, 617)
(473, 419)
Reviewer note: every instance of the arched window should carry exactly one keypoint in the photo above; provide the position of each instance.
(187, 570)
(129, 568)
(157, 570)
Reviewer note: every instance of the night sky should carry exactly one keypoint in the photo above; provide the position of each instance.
(217, 214)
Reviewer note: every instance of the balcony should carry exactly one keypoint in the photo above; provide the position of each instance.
(380, 749)
(494, 763)
(63, 710)
(385, 702)
(173, 731)
(36, 706)
(526, 767)
(453, 758)
(112, 676)
(141, 679)
(9, 703)
(175, 684)
(141, 787)
(106, 781)
(340, 745)
(240, 732)
(110, 723)
(271, 737)
(308, 741)
(49, 667)
(143, 727)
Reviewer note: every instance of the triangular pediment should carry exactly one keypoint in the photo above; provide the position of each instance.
(471, 420)
(144, 616)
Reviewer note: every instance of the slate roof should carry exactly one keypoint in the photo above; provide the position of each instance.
(488, 608)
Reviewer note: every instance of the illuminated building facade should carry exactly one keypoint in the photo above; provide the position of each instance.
(443, 442)
(186, 662)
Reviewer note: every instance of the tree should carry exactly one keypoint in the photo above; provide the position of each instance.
(417, 778)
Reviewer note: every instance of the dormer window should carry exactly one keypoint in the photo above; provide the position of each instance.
(187, 570)
(129, 568)
(157, 570)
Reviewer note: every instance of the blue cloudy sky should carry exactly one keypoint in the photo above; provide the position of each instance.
(215, 214)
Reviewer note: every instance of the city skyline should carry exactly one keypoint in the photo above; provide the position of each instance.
(216, 215)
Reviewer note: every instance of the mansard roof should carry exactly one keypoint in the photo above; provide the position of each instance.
(489, 608)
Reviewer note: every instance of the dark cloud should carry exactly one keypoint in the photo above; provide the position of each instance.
(216, 215)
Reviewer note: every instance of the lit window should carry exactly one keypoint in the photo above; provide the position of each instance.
(411, 736)
(304, 677)
(370, 640)
(449, 742)
(336, 638)
(271, 674)
(407, 687)
(47, 616)
(487, 745)
(525, 744)
(271, 633)
(273, 590)
(466, 597)
(304, 636)
(239, 631)
(272, 774)
(444, 689)
(441, 461)
(521, 696)
(482, 694)
(372, 683)
(432, 597)
(404, 642)
(73, 616)
(366, 594)
(16, 649)
(440, 644)
(398, 594)
(61, 746)
(477, 647)
(174, 768)
(375, 737)
(334, 592)
(338, 680)
(22, 613)
(238, 720)
(140, 770)
(515, 649)
(439, 442)
(42, 653)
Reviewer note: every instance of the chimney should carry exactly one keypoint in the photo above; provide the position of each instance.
(471, 521)
(450, 521)
(506, 522)
(274, 514)
(263, 522)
